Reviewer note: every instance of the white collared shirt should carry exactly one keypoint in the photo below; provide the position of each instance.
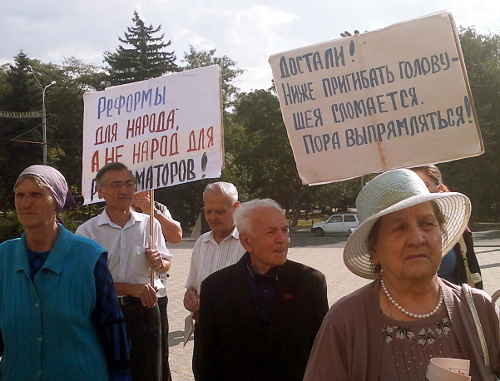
(209, 256)
(125, 246)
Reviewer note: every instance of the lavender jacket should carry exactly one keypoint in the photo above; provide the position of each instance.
(349, 345)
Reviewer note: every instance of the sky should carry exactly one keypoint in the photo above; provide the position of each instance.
(247, 31)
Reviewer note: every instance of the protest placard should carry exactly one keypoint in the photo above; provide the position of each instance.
(391, 98)
(166, 130)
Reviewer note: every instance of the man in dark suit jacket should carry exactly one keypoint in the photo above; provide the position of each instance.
(259, 317)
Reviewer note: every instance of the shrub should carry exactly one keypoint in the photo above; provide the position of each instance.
(10, 227)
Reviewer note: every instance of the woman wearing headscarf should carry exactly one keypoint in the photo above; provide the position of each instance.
(59, 314)
(391, 328)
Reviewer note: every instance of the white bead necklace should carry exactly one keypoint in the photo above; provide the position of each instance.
(410, 314)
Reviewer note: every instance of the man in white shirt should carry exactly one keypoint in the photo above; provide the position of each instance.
(218, 248)
(125, 234)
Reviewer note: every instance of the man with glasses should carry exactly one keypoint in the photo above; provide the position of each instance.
(125, 234)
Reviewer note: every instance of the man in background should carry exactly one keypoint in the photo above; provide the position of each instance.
(218, 248)
(171, 229)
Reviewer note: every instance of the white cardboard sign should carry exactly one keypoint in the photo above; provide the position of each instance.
(391, 98)
(167, 130)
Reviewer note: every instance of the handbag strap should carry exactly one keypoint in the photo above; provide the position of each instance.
(463, 251)
(463, 247)
(477, 322)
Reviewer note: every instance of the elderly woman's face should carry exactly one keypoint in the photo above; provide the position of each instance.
(408, 244)
(35, 205)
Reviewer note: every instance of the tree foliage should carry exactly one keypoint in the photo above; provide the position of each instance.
(261, 154)
(86, 77)
(21, 138)
(258, 156)
(478, 177)
(144, 58)
(229, 72)
(19, 94)
(185, 200)
(261, 163)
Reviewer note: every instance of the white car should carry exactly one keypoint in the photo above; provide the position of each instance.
(336, 223)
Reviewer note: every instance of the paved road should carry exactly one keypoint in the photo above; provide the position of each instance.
(323, 253)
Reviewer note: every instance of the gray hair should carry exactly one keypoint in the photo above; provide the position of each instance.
(242, 215)
(227, 189)
(115, 166)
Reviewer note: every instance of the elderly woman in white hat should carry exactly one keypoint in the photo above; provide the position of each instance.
(391, 328)
(59, 313)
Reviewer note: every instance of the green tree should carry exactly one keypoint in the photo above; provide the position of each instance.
(19, 94)
(145, 58)
(339, 196)
(185, 200)
(65, 122)
(86, 77)
(22, 92)
(478, 177)
(261, 159)
(229, 72)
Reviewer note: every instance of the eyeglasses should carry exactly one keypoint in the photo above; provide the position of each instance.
(120, 184)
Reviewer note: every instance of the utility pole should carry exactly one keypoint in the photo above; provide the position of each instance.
(44, 113)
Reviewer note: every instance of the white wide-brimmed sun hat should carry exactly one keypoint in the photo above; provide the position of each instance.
(396, 190)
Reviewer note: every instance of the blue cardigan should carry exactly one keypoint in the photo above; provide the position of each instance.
(46, 324)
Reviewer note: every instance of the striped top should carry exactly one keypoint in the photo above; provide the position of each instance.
(209, 256)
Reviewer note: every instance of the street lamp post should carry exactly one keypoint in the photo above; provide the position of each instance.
(44, 113)
(44, 122)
